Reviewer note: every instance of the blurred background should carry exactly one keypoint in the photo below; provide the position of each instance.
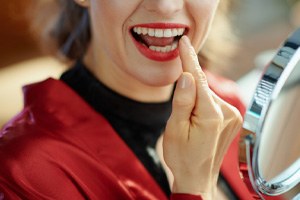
(261, 26)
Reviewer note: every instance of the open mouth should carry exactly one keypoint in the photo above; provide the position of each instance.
(163, 40)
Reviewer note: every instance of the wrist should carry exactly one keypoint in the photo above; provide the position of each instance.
(186, 187)
(195, 187)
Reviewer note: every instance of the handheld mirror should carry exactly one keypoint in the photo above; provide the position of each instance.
(270, 141)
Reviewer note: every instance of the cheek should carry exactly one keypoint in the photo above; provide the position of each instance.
(113, 10)
(110, 18)
(103, 12)
(202, 12)
(107, 24)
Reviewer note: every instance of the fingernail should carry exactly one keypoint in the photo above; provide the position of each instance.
(184, 81)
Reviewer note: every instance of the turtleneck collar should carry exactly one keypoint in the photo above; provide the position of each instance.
(109, 102)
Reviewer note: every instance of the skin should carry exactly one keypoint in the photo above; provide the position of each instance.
(201, 125)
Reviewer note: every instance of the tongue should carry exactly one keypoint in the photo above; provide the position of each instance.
(155, 41)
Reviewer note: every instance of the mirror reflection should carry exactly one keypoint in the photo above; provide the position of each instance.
(280, 137)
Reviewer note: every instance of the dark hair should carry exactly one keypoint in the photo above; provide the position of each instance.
(68, 33)
(62, 27)
(72, 31)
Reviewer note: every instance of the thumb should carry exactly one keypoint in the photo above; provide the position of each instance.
(184, 98)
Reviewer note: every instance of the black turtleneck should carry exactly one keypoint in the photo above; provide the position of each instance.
(138, 124)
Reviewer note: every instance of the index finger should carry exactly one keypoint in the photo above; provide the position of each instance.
(204, 101)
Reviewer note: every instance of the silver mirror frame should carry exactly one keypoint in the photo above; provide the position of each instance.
(267, 90)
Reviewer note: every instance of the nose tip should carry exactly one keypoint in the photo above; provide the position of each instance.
(163, 7)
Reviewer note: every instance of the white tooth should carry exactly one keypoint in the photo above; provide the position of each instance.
(135, 29)
(152, 48)
(139, 30)
(174, 46)
(144, 31)
(180, 31)
(168, 48)
(159, 33)
(174, 32)
(151, 32)
(167, 33)
(158, 49)
(164, 49)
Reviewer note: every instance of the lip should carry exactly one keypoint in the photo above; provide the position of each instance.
(153, 55)
(161, 25)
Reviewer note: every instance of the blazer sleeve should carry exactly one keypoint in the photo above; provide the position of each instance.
(178, 196)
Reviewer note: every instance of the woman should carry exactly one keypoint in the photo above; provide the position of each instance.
(93, 134)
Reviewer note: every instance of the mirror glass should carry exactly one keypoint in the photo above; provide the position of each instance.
(280, 136)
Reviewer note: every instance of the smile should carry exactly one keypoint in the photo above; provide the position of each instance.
(158, 41)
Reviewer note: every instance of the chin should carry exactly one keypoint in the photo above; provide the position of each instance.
(161, 83)
(158, 74)
(161, 80)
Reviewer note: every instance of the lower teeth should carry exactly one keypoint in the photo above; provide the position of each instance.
(165, 49)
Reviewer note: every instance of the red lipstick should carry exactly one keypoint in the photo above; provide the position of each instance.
(158, 41)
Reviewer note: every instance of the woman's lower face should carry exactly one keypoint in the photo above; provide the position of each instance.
(136, 41)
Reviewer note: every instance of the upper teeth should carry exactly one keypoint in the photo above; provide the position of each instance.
(172, 32)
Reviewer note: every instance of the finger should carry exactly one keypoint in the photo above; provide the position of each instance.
(232, 125)
(230, 112)
(184, 98)
(205, 102)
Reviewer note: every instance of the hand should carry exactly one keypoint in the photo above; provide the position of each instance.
(199, 130)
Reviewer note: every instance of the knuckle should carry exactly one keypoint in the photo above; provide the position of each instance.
(236, 117)
(217, 113)
(201, 76)
(236, 113)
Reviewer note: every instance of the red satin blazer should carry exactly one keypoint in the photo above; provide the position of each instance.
(58, 147)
